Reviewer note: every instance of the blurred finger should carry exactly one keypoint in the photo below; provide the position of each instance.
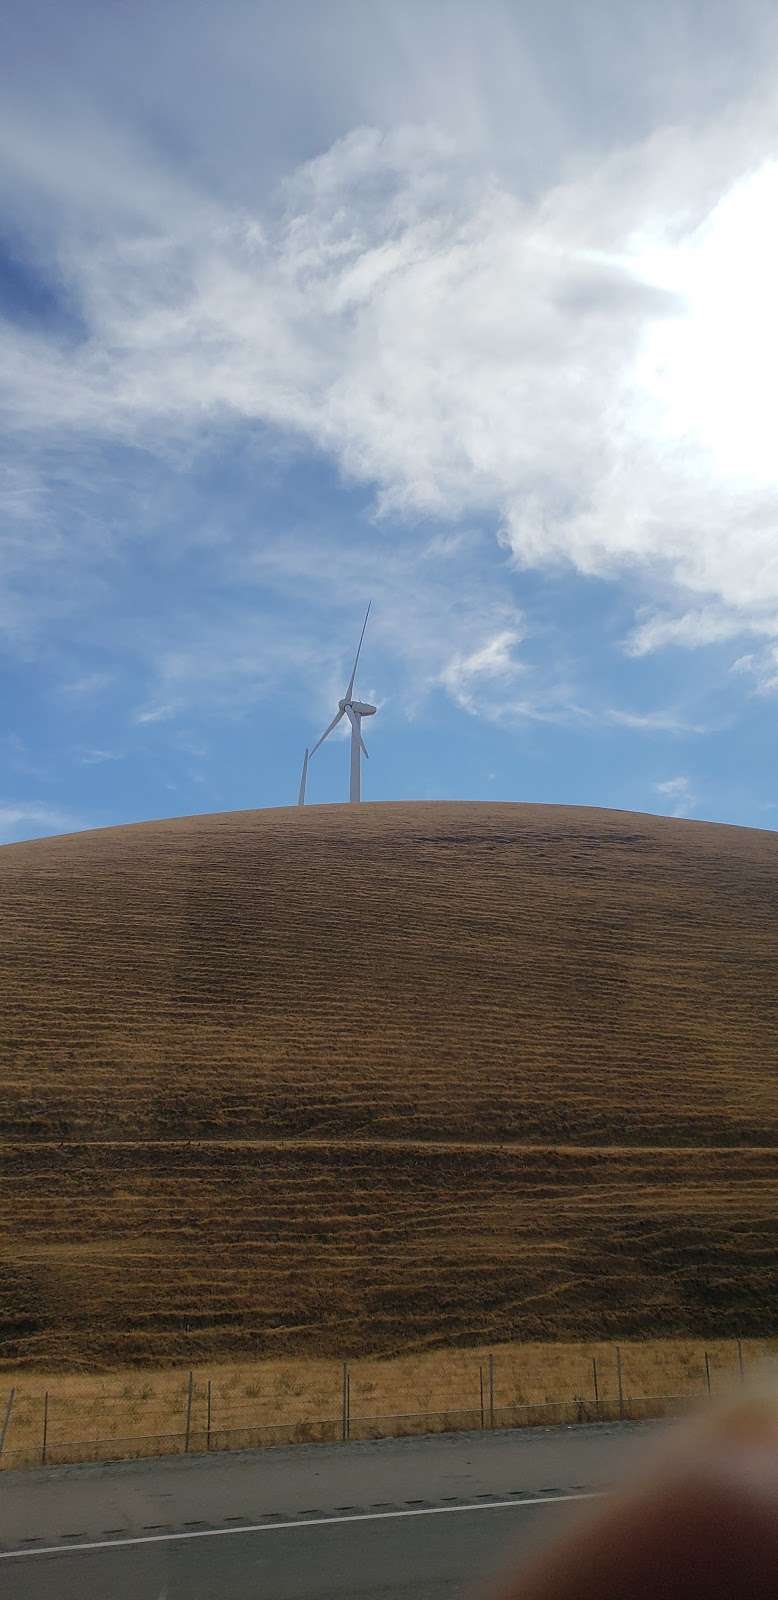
(701, 1521)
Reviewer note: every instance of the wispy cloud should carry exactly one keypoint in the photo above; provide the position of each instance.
(762, 667)
(653, 721)
(563, 365)
(470, 679)
(418, 610)
(692, 629)
(90, 757)
(31, 819)
(444, 545)
(680, 793)
(149, 714)
(501, 333)
(557, 702)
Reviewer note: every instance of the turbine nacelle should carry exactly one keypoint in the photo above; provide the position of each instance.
(358, 706)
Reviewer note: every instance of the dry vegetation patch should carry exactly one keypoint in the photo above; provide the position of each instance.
(343, 1083)
(147, 1412)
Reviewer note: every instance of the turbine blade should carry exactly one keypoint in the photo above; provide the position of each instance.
(301, 796)
(347, 695)
(333, 724)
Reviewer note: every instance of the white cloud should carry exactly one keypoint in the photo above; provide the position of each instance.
(575, 358)
(417, 610)
(150, 714)
(762, 667)
(31, 819)
(691, 629)
(90, 757)
(586, 368)
(653, 721)
(679, 791)
(557, 702)
(469, 679)
(445, 545)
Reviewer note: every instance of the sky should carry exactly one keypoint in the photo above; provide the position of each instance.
(467, 311)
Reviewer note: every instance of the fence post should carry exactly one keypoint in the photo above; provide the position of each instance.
(45, 1427)
(189, 1413)
(6, 1419)
(491, 1391)
(596, 1389)
(740, 1361)
(208, 1424)
(481, 1382)
(707, 1372)
(621, 1390)
(345, 1403)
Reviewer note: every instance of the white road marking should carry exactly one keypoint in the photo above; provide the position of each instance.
(302, 1522)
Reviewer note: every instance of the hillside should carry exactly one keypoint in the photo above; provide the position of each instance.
(347, 1080)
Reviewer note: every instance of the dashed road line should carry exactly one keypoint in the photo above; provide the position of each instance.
(281, 1525)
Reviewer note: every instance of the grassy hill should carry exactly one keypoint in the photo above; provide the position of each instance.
(346, 1080)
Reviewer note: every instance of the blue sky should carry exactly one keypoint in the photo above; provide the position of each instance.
(468, 311)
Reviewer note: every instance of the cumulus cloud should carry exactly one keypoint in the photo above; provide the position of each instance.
(585, 368)
(576, 357)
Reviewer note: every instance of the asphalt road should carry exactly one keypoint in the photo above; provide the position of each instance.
(387, 1520)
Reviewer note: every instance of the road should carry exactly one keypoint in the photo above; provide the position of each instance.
(395, 1519)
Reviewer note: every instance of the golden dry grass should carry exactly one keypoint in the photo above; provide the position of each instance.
(345, 1082)
(138, 1408)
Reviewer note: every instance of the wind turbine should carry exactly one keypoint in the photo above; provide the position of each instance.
(355, 710)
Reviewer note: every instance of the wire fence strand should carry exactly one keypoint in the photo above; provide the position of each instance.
(329, 1430)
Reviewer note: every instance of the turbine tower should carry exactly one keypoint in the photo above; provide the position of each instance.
(355, 710)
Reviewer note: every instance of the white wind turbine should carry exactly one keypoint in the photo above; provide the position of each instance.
(355, 710)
